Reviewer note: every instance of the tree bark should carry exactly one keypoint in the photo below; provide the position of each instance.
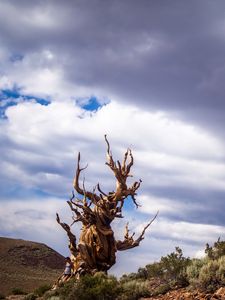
(96, 249)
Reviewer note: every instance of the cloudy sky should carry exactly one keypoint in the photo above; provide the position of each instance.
(149, 74)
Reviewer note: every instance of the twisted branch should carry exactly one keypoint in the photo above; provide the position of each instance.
(129, 241)
(71, 236)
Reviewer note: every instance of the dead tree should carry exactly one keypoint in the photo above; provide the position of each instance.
(97, 246)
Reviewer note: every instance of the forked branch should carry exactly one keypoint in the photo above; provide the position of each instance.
(122, 172)
(71, 236)
(129, 241)
(76, 185)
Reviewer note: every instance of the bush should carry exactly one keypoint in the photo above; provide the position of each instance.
(134, 289)
(98, 287)
(95, 287)
(173, 271)
(30, 297)
(63, 290)
(174, 267)
(193, 270)
(220, 274)
(162, 289)
(216, 251)
(142, 273)
(154, 270)
(207, 276)
(129, 277)
(18, 291)
(42, 289)
(52, 295)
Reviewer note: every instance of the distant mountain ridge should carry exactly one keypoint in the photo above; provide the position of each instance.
(27, 265)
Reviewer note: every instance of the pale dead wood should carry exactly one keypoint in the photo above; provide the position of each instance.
(71, 236)
(129, 241)
(96, 210)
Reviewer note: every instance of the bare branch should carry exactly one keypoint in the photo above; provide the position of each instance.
(71, 236)
(141, 237)
(124, 161)
(131, 162)
(108, 146)
(134, 200)
(129, 241)
(100, 190)
(122, 172)
(76, 179)
(76, 185)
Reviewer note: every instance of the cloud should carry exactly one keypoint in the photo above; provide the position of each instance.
(40, 153)
(40, 145)
(34, 219)
(169, 58)
(158, 67)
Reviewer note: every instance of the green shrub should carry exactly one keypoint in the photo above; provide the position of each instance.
(207, 276)
(52, 295)
(95, 287)
(161, 289)
(142, 273)
(193, 270)
(18, 291)
(220, 274)
(167, 274)
(98, 287)
(42, 289)
(154, 270)
(174, 267)
(134, 289)
(64, 290)
(216, 251)
(129, 277)
(30, 297)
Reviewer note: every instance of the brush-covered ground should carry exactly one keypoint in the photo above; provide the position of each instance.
(174, 277)
(26, 265)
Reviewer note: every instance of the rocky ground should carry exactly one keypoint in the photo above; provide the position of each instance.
(180, 294)
(184, 294)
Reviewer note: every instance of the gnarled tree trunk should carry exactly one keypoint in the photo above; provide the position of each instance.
(96, 249)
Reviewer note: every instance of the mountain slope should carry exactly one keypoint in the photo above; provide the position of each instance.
(27, 265)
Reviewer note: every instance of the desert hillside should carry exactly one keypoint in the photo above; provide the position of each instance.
(27, 265)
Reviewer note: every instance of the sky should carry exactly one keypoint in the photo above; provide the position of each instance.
(150, 75)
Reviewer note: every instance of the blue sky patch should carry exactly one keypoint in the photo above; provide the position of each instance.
(91, 104)
(11, 97)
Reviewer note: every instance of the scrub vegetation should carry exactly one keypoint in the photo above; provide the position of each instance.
(172, 272)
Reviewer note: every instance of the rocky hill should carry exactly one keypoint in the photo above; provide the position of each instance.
(27, 265)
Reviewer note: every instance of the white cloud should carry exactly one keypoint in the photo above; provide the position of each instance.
(34, 219)
(71, 52)
(40, 151)
(166, 152)
(185, 231)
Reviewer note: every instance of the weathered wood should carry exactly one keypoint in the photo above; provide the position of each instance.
(96, 249)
